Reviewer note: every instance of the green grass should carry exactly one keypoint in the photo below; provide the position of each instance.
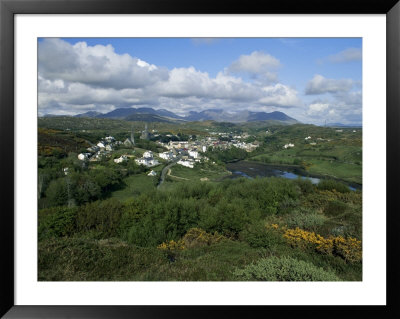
(212, 172)
(135, 185)
(82, 259)
(344, 171)
(331, 160)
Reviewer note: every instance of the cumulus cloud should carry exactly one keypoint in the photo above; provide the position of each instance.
(317, 108)
(344, 107)
(78, 78)
(320, 85)
(95, 65)
(348, 55)
(280, 95)
(257, 64)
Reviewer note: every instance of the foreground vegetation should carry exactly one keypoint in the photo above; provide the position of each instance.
(106, 221)
(235, 230)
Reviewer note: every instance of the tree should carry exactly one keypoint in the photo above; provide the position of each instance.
(57, 192)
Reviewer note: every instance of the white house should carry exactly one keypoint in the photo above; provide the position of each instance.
(152, 173)
(83, 156)
(204, 148)
(66, 170)
(109, 147)
(186, 163)
(146, 161)
(148, 154)
(166, 155)
(194, 154)
(307, 138)
(121, 159)
(178, 144)
(288, 145)
(153, 162)
(101, 145)
(109, 139)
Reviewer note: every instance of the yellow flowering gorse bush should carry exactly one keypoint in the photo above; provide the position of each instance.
(349, 248)
(172, 245)
(195, 237)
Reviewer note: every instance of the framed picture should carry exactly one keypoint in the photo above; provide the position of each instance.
(91, 125)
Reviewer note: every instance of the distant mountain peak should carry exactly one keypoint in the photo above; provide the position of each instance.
(89, 114)
(213, 114)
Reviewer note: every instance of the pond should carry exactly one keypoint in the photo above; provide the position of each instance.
(254, 169)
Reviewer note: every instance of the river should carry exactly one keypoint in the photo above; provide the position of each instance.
(254, 169)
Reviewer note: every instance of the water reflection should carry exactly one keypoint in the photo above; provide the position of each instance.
(252, 170)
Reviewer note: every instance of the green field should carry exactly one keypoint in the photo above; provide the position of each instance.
(135, 185)
(345, 171)
(211, 172)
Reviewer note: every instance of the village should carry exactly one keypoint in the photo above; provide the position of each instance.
(185, 153)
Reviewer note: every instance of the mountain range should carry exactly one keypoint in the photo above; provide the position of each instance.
(147, 114)
(343, 125)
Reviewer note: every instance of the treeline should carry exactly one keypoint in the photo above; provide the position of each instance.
(154, 217)
(71, 182)
(228, 155)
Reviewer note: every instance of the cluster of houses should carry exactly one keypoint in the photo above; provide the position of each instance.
(232, 141)
(147, 159)
(103, 148)
(189, 152)
(212, 141)
(308, 139)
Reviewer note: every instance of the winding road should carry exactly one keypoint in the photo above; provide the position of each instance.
(165, 170)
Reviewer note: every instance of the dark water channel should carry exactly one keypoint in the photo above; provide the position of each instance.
(254, 169)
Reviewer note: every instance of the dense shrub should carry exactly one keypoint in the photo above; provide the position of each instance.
(162, 220)
(309, 220)
(57, 222)
(284, 269)
(101, 216)
(287, 205)
(196, 237)
(257, 235)
(335, 208)
(305, 185)
(57, 192)
(330, 184)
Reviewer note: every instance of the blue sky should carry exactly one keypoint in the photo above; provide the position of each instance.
(310, 79)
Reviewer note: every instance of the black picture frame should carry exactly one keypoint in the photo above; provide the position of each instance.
(9, 8)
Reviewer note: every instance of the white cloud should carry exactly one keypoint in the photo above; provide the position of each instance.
(348, 55)
(317, 108)
(78, 78)
(280, 95)
(320, 85)
(258, 64)
(95, 65)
